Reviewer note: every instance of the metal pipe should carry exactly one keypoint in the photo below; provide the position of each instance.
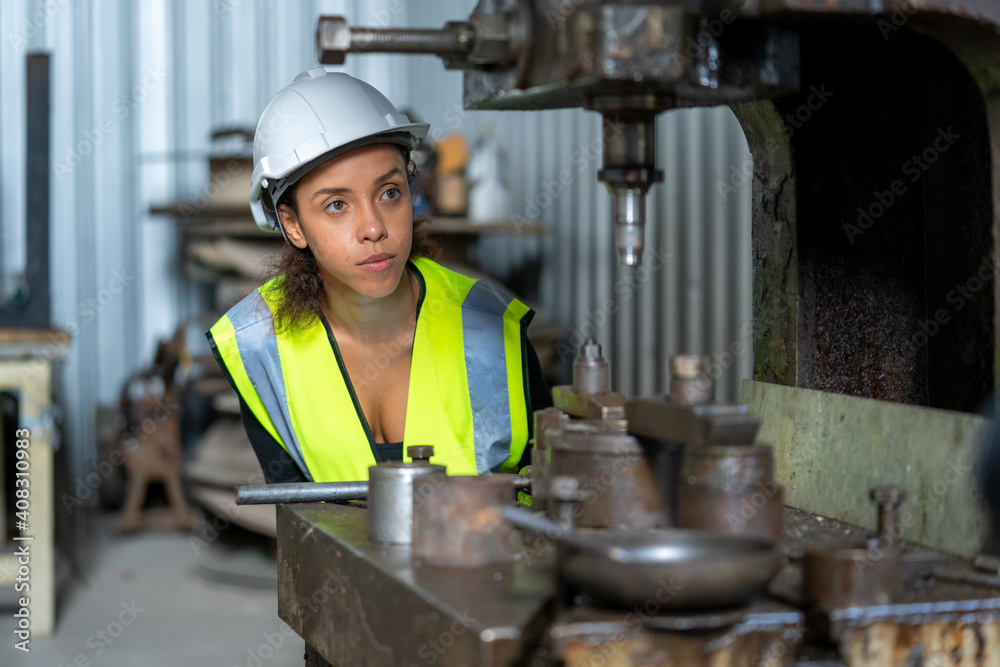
(317, 492)
(300, 492)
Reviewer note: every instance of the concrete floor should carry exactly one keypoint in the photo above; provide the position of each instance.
(184, 606)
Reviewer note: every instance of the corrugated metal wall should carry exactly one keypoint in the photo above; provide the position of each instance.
(138, 87)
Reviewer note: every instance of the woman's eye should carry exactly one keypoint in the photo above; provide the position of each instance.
(391, 193)
(336, 205)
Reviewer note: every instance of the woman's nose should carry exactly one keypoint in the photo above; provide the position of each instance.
(373, 227)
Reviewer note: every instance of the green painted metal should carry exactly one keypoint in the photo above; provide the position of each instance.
(830, 449)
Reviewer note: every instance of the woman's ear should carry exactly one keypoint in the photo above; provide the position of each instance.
(290, 223)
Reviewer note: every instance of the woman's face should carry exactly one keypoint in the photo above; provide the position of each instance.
(355, 214)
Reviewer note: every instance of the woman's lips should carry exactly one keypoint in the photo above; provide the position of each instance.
(377, 263)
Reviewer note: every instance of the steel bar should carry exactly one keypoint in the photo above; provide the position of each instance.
(300, 492)
(318, 492)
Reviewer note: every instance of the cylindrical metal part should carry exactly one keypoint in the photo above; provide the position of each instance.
(731, 489)
(836, 578)
(689, 384)
(629, 214)
(728, 465)
(629, 168)
(390, 499)
(630, 145)
(300, 492)
(591, 373)
(546, 421)
(618, 486)
(457, 520)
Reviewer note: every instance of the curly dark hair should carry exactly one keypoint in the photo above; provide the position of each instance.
(302, 286)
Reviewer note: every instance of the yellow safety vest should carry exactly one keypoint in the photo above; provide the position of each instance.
(466, 397)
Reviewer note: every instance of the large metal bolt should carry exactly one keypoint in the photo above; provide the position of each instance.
(689, 384)
(420, 453)
(889, 498)
(335, 39)
(591, 373)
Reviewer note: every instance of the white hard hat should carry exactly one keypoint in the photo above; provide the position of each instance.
(318, 116)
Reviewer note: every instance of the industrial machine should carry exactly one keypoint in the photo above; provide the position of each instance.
(873, 128)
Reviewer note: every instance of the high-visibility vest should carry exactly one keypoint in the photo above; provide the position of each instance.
(466, 397)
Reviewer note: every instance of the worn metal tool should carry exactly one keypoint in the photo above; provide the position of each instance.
(457, 522)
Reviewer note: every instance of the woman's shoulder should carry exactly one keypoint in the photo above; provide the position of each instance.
(466, 291)
(255, 309)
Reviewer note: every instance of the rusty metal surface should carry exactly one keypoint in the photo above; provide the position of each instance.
(582, 50)
(664, 420)
(922, 601)
(457, 522)
(367, 605)
(728, 465)
(870, 315)
(743, 510)
(844, 577)
(964, 644)
(763, 634)
(730, 489)
(986, 11)
(619, 486)
(805, 531)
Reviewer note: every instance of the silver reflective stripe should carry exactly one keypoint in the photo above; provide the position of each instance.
(486, 367)
(254, 325)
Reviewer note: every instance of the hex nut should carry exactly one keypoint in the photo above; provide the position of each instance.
(333, 40)
(420, 452)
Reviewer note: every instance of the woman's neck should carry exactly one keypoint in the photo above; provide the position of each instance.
(372, 320)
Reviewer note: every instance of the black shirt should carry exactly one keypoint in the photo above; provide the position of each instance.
(279, 467)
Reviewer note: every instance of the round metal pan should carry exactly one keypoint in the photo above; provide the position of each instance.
(672, 569)
(669, 569)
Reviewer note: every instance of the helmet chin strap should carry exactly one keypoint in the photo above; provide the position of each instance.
(268, 194)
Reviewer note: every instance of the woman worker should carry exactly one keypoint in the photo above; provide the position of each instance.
(362, 343)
